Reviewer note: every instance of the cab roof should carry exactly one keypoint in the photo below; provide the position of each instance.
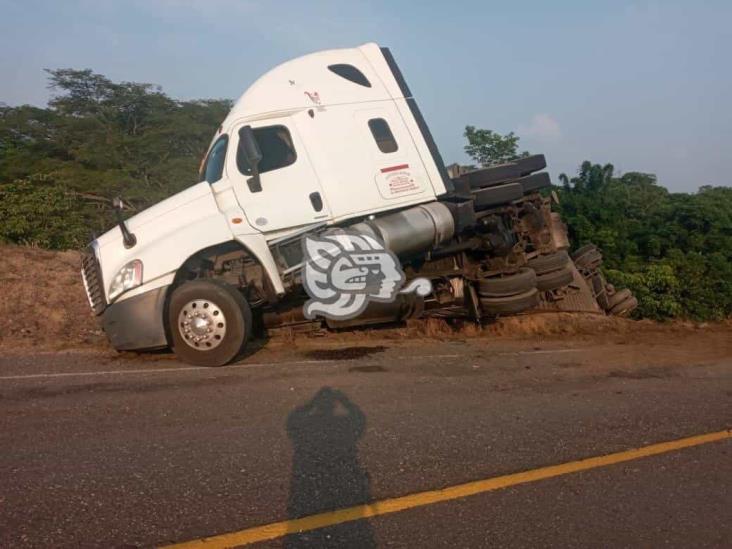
(330, 77)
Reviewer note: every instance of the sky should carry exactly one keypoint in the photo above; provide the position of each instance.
(644, 85)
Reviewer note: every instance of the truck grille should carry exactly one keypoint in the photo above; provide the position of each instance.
(92, 278)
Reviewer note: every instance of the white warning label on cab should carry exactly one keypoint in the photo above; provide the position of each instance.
(397, 181)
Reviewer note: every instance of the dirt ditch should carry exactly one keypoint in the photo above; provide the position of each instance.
(43, 307)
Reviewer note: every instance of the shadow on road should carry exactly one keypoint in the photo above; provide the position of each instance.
(326, 473)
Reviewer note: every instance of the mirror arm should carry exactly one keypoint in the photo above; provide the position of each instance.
(253, 157)
(254, 183)
(128, 238)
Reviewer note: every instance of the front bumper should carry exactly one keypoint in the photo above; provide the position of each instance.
(138, 322)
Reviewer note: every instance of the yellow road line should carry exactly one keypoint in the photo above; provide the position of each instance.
(393, 505)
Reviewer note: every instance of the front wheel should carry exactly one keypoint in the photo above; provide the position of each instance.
(209, 321)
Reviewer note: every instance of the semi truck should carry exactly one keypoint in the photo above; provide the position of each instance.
(331, 140)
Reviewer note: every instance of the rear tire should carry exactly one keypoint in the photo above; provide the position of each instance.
(618, 297)
(510, 305)
(491, 176)
(497, 196)
(507, 285)
(624, 307)
(535, 182)
(550, 262)
(601, 290)
(583, 250)
(587, 257)
(209, 322)
(555, 279)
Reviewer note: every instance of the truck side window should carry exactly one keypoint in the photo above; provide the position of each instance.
(349, 72)
(213, 169)
(383, 136)
(277, 149)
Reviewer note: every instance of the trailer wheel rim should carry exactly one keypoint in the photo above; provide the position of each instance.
(202, 324)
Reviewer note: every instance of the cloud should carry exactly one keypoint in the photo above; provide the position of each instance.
(543, 127)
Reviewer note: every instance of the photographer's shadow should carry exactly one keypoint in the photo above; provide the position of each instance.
(326, 473)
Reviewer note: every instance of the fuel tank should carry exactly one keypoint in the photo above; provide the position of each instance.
(413, 230)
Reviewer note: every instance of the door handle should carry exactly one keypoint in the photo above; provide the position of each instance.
(255, 185)
(317, 201)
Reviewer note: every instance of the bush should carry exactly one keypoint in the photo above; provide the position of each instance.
(35, 212)
(656, 287)
(673, 250)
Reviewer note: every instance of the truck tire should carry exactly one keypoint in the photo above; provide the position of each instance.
(498, 195)
(589, 261)
(507, 285)
(531, 164)
(618, 297)
(209, 322)
(582, 250)
(624, 307)
(511, 304)
(549, 262)
(493, 175)
(535, 182)
(601, 290)
(589, 258)
(555, 279)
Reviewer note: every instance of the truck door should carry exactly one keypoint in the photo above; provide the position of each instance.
(365, 158)
(289, 194)
(390, 156)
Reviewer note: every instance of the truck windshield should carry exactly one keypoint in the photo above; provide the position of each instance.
(213, 169)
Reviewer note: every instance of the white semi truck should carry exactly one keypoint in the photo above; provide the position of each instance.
(331, 139)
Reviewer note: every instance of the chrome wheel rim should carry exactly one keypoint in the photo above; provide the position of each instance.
(202, 324)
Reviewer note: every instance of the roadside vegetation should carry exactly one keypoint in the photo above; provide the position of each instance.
(673, 250)
(60, 166)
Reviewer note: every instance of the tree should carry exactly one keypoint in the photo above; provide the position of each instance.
(674, 250)
(488, 147)
(97, 139)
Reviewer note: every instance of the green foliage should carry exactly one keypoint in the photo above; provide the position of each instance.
(60, 167)
(674, 250)
(656, 287)
(35, 212)
(96, 140)
(488, 147)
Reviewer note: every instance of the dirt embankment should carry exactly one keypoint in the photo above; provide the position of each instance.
(42, 300)
(43, 305)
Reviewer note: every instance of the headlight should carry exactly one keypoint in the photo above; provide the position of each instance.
(128, 277)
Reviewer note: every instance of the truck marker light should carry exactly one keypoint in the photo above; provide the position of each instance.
(395, 168)
(236, 220)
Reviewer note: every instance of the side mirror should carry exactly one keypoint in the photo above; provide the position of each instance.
(250, 149)
(249, 146)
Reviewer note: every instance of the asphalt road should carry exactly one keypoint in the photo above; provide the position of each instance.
(100, 451)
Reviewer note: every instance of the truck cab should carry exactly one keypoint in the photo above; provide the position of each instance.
(340, 139)
(327, 141)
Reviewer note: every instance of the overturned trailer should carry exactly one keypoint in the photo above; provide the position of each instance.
(330, 141)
